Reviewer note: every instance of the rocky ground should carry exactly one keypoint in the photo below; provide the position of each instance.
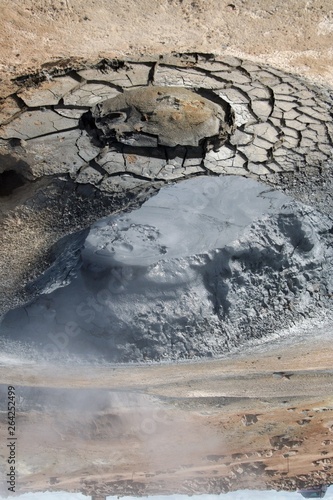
(262, 420)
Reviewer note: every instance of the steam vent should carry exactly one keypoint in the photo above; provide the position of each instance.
(237, 242)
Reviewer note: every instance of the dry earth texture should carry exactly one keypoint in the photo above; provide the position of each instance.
(257, 421)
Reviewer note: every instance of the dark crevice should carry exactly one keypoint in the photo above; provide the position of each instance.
(103, 82)
(10, 180)
(96, 166)
(61, 131)
(131, 174)
(19, 101)
(70, 107)
(76, 76)
(211, 96)
(151, 74)
(106, 64)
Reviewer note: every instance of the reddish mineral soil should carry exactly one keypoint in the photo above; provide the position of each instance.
(258, 421)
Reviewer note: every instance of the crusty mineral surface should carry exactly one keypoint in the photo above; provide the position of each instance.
(57, 177)
(166, 116)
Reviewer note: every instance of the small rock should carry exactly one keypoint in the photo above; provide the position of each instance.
(249, 419)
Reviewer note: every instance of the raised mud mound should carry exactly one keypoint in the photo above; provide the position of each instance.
(166, 116)
(74, 148)
(204, 267)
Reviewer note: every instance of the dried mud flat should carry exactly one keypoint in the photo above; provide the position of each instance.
(260, 421)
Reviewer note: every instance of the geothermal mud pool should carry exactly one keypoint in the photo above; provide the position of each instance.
(233, 260)
(168, 208)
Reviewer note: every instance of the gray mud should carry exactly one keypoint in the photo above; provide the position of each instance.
(202, 268)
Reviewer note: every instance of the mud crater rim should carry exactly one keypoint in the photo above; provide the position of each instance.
(167, 116)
